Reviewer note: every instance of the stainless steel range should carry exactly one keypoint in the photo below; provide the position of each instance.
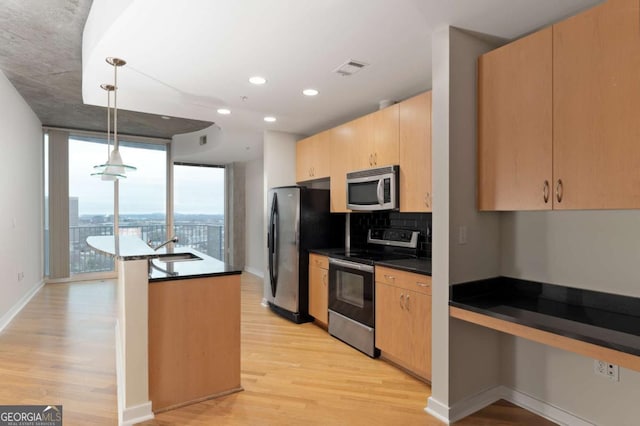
(352, 285)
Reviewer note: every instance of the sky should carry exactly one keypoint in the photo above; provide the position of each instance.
(197, 190)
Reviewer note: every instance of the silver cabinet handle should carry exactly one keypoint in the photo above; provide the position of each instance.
(422, 284)
(545, 191)
(406, 302)
(375, 159)
(426, 199)
(559, 190)
(402, 300)
(371, 159)
(390, 277)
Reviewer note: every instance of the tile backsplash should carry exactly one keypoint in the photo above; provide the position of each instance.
(361, 222)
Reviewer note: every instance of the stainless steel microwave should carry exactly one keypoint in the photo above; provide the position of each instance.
(374, 189)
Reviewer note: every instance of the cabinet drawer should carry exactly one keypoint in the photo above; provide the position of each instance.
(406, 280)
(318, 260)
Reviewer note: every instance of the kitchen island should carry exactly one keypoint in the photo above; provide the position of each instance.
(178, 331)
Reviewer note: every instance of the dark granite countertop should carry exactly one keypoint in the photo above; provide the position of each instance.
(326, 251)
(604, 319)
(205, 266)
(418, 266)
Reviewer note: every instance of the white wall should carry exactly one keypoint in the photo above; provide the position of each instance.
(465, 357)
(595, 250)
(22, 200)
(254, 217)
(279, 169)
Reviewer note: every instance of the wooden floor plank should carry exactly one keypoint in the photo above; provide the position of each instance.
(60, 350)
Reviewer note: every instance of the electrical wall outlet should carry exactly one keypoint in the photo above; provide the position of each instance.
(606, 369)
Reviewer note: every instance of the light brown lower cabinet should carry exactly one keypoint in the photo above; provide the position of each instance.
(403, 319)
(319, 288)
(194, 340)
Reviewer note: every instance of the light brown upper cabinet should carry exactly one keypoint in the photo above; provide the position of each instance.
(382, 143)
(415, 153)
(312, 157)
(558, 115)
(515, 125)
(374, 140)
(596, 104)
(345, 147)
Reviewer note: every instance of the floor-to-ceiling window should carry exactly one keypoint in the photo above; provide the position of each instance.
(90, 205)
(88, 202)
(199, 200)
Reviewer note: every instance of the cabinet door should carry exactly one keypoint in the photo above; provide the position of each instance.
(515, 125)
(321, 155)
(383, 129)
(318, 293)
(341, 141)
(392, 335)
(313, 156)
(304, 156)
(596, 101)
(415, 154)
(418, 309)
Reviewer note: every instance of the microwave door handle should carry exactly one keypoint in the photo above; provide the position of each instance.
(379, 192)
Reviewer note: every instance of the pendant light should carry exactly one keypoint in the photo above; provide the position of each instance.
(114, 168)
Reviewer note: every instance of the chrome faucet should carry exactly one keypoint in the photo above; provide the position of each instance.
(173, 239)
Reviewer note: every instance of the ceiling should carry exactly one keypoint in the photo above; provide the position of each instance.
(187, 59)
(41, 54)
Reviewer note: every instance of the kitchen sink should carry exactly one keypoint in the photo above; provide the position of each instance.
(177, 257)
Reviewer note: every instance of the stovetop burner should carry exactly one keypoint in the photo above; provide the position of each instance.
(383, 244)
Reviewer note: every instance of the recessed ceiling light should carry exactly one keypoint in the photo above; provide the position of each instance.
(269, 119)
(164, 117)
(224, 111)
(256, 79)
(309, 92)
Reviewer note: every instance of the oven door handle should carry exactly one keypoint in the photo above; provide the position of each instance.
(351, 265)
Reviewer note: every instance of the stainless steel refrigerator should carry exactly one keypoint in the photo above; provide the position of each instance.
(298, 219)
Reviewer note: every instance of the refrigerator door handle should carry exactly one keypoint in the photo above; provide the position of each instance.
(271, 242)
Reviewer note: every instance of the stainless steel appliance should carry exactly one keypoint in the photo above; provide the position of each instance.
(352, 286)
(298, 219)
(374, 189)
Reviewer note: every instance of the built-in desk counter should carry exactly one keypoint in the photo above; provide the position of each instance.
(595, 324)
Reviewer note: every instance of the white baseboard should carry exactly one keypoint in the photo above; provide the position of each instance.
(477, 402)
(437, 409)
(21, 303)
(254, 271)
(473, 403)
(136, 414)
(543, 409)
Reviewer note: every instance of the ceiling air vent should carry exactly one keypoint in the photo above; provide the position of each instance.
(350, 67)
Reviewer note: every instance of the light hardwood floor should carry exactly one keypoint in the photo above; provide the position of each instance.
(60, 350)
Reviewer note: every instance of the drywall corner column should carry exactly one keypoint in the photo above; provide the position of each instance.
(133, 319)
(58, 204)
(279, 170)
(254, 217)
(465, 357)
(438, 404)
